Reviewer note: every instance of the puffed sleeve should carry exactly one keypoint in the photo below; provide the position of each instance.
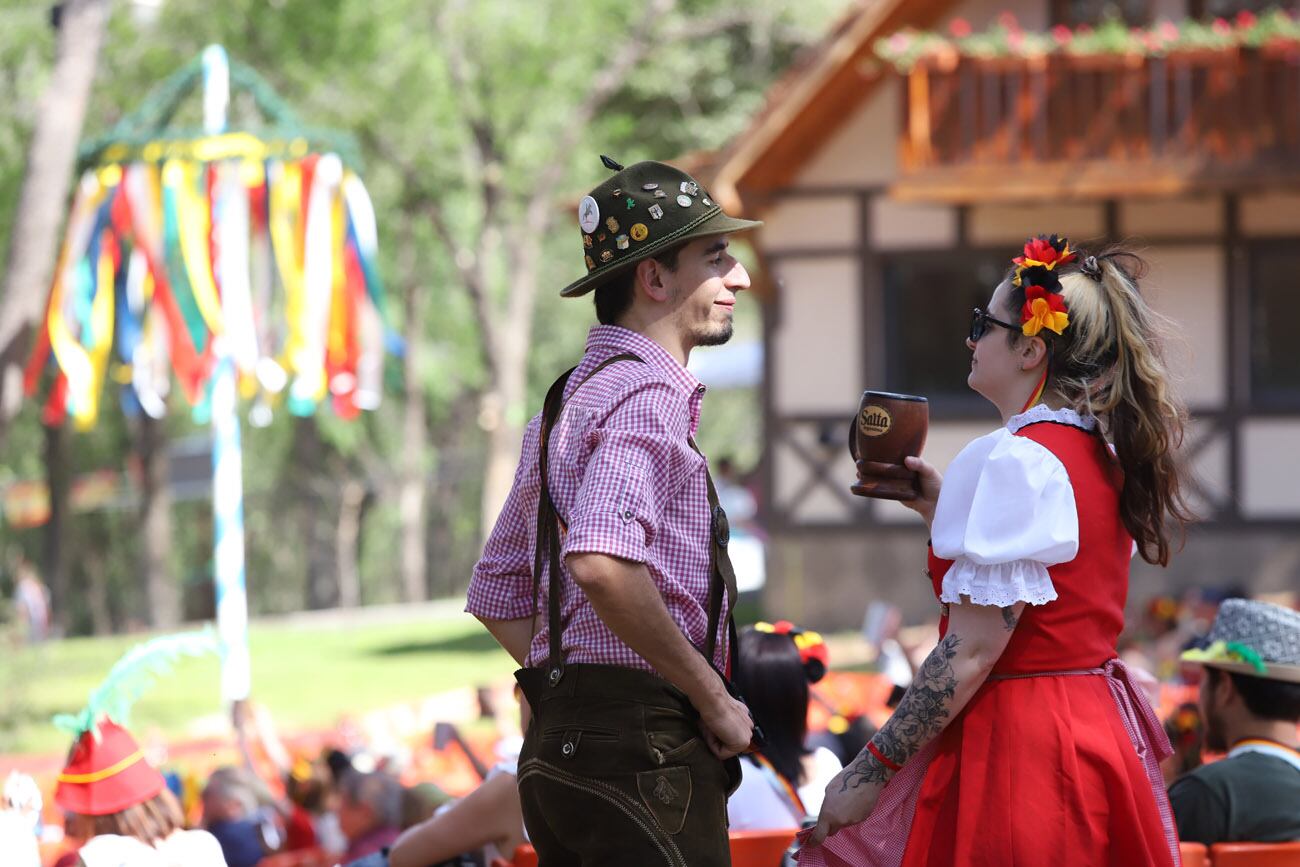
(1006, 512)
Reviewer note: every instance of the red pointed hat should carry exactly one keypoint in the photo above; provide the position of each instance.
(106, 774)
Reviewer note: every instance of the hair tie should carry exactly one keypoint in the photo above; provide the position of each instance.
(1092, 268)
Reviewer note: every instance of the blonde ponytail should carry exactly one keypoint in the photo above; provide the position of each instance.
(1110, 364)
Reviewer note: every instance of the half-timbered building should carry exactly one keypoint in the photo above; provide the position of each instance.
(893, 202)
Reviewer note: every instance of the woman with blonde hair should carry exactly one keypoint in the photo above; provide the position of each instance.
(1022, 739)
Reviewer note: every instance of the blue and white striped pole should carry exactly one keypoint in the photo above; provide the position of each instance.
(227, 455)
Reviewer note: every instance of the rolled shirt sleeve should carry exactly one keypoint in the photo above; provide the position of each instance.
(640, 459)
(502, 585)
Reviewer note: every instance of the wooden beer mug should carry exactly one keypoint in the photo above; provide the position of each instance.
(888, 428)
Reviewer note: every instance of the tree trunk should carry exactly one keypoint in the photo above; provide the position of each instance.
(352, 497)
(507, 410)
(316, 529)
(51, 154)
(101, 618)
(55, 565)
(412, 493)
(161, 592)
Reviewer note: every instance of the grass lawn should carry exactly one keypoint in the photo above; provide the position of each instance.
(307, 674)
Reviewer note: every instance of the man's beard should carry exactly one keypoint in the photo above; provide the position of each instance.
(715, 336)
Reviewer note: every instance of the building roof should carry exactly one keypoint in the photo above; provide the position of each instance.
(813, 99)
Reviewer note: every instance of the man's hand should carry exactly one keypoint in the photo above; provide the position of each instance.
(728, 727)
(845, 805)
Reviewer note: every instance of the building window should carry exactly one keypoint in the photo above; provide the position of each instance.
(928, 302)
(1274, 350)
(1074, 13)
(1207, 10)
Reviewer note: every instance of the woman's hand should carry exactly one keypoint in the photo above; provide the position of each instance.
(930, 481)
(846, 804)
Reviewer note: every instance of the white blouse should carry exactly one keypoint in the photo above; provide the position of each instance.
(1006, 512)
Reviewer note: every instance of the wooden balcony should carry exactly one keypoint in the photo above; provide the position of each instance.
(1099, 127)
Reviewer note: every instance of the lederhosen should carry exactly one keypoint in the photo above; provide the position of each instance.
(613, 769)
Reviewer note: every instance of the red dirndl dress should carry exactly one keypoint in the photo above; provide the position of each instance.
(1054, 761)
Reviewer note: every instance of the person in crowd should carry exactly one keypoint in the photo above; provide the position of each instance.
(488, 821)
(1022, 738)
(20, 817)
(613, 533)
(117, 805)
(31, 601)
(782, 783)
(305, 789)
(370, 812)
(1186, 733)
(121, 807)
(1250, 700)
(230, 813)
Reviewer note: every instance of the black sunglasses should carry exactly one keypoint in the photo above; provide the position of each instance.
(980, 322)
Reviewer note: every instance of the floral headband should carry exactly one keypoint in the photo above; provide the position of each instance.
(812, 647)
(1036, 272)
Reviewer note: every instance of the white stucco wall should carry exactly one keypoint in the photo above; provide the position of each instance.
(811, 223)
(817, 341)
(1011, 224)
(911, 225)
(864, 151)
(1270, 470)
(1166, 218)
(1187, 285)
(1270, 214)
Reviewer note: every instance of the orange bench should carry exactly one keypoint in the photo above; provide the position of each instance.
(1255, 854)
(748, 849)
(1194, 854)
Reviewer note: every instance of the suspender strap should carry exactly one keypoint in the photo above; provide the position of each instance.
(720, 565)
(549, 522)
(550, 526)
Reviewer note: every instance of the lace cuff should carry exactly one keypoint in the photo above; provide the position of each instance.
(999, 584)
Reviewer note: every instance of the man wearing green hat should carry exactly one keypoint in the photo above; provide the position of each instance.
(1250, 700)
(606, 576)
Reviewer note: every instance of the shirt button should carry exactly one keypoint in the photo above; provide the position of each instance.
(627, 516)
(699, 389)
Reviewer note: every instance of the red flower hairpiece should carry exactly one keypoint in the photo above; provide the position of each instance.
(812, 647)
(1036, 272)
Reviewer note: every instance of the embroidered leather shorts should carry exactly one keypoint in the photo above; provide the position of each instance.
(614, 771)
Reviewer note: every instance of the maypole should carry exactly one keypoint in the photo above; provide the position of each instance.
(231, 224)
(241, 264)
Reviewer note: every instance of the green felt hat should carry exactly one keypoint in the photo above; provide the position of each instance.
(640, 211)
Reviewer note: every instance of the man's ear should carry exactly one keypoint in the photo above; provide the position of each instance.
(1227, 689)
(652, 279)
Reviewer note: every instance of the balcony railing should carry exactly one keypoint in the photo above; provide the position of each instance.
(1105, 125)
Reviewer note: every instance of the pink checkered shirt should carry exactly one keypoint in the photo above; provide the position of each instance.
(628, 484)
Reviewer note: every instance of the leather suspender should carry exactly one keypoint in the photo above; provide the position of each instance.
(550, 526)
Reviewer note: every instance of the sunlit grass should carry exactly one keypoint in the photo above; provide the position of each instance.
(307, 675)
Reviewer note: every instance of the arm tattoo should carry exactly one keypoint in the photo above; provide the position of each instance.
(1009, 618)
(921, 715)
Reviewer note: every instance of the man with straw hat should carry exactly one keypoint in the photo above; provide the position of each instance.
(1250, 698)
(607, 576)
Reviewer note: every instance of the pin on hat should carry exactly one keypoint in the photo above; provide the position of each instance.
(1255, 638)
(645, 228)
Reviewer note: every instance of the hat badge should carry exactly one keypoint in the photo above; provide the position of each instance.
(588, 214)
